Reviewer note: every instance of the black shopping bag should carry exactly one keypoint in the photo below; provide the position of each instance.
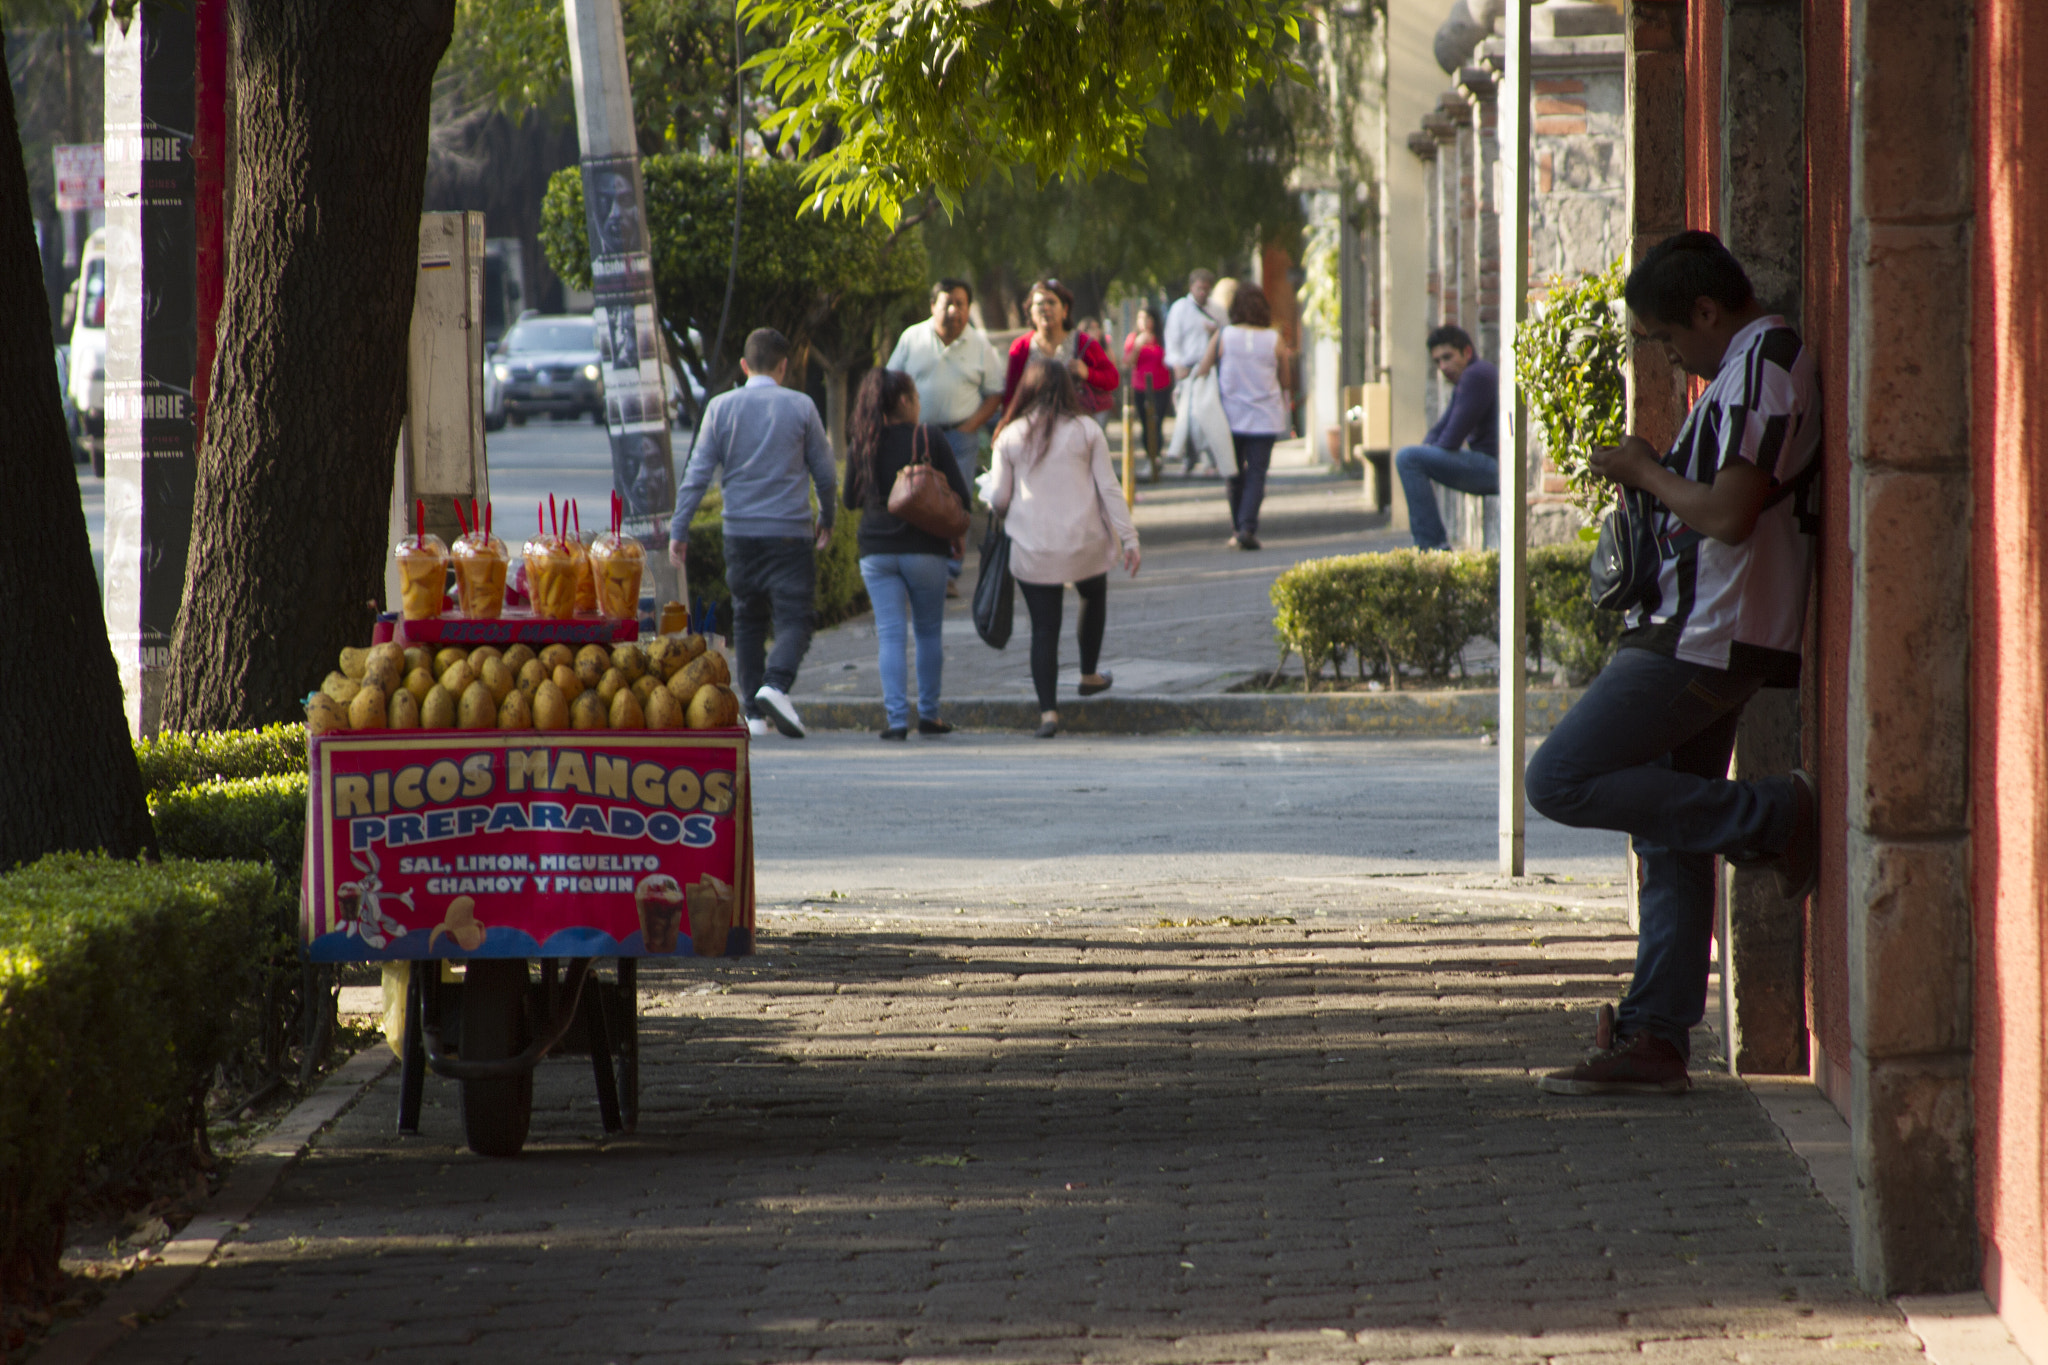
(995, 593)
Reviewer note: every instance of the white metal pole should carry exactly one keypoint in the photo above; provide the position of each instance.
(1514, 467)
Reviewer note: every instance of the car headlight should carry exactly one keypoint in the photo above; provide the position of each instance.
(590, 372)
(503, 372)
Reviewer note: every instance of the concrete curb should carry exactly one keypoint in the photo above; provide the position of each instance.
(256, 1174)
(1337, 713)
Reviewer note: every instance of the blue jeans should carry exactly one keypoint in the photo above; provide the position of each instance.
(1246, 489)
(967, 454)
(1646, 752)
(1468, 471)
(908, 591)
(774, 582)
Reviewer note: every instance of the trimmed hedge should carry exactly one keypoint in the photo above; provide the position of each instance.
(1408, 612)
(120, 990)
(841, 592)
(173, 760)
(256, 819)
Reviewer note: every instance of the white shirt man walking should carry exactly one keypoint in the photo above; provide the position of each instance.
(959, 380)
(771, 447)
(1189, 324)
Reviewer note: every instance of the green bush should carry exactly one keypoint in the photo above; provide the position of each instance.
(1576, 635)
(174, 760)
(256, 819)
(120, 985)
(1571, 353)
(841, 593)
(1409, 612)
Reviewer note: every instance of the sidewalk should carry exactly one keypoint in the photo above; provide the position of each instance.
(1197, 619)
(1170, 1050)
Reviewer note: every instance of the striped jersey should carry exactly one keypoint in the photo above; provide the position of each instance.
(1743, 607)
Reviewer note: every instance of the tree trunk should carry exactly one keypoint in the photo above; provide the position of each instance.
(308, 387)
(67, 771)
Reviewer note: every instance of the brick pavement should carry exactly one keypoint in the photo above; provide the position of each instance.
(1001, 1125)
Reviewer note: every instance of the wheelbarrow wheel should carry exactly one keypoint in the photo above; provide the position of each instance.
(495, 1113)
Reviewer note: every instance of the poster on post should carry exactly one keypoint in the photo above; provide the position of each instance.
(629, 344)
(465, 844)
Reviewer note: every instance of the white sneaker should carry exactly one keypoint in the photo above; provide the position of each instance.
(771, 700)
(757, 725)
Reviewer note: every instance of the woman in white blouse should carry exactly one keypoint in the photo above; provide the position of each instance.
(1250, 359)
(1066, 520)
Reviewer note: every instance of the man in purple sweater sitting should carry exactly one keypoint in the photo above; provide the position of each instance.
(1462, 450)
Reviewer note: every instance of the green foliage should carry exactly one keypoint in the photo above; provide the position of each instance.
(1570, 355)
(887, 98)
(1410, 612)
(258, 819)
(1575, 634)
(679, 55)
(119, 989)
(797, 271)
(1209, 197)
(174, 760)
(841, 591)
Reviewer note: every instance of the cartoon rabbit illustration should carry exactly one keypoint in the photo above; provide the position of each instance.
(362, 904)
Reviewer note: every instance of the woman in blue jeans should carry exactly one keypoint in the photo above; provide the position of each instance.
(904, 568)
(1251, 360)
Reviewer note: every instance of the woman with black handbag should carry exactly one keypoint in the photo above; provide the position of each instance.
(902, 562)
(1066, 520)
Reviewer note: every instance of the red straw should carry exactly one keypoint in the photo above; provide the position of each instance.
(458, 515)
(419, 523)
(540, 521)
(554, 523)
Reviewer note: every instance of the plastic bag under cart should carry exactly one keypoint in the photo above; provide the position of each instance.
(490, 849)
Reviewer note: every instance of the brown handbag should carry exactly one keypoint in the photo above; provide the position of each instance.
(922, 496)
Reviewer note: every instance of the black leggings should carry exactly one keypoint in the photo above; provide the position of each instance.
(1044, 602)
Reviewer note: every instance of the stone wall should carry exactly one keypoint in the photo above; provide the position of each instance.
(1578, 213)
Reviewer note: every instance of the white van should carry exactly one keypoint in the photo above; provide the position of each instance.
(88, 378)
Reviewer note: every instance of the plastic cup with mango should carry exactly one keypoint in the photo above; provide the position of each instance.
(586, 586)
(480, 561)
(616, 563)
(422, 575)
(551, 577)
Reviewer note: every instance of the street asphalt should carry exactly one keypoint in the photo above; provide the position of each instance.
(1119, 1049)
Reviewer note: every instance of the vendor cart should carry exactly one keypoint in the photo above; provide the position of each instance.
(461, 857)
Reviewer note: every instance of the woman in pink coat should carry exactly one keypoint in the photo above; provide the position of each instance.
(1066, 520)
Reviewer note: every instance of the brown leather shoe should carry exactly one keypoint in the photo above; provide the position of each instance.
(1642, 1065)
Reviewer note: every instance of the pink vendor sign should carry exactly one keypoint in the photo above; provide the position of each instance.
(595, 843)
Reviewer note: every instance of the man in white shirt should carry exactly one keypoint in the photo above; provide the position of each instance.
(959, 380)
(1189, 325)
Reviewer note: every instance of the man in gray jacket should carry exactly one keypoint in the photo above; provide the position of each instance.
(766, 438)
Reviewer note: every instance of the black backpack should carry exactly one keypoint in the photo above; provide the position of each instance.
(1627, 559)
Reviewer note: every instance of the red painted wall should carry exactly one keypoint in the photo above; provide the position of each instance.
(2009, 757)
(1703, 121)
(1825, 709)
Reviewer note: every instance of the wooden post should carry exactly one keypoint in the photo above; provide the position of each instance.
(1514, 469)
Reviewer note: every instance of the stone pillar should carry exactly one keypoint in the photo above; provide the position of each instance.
(1478, 84)
(1913, 1228)
(1656, 190)
(1466, 201)
(1762, 215)
(1424, 147)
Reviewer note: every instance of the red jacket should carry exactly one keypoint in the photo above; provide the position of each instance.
(1096, 394)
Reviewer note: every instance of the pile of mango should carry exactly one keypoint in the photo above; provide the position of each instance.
(674, 682)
